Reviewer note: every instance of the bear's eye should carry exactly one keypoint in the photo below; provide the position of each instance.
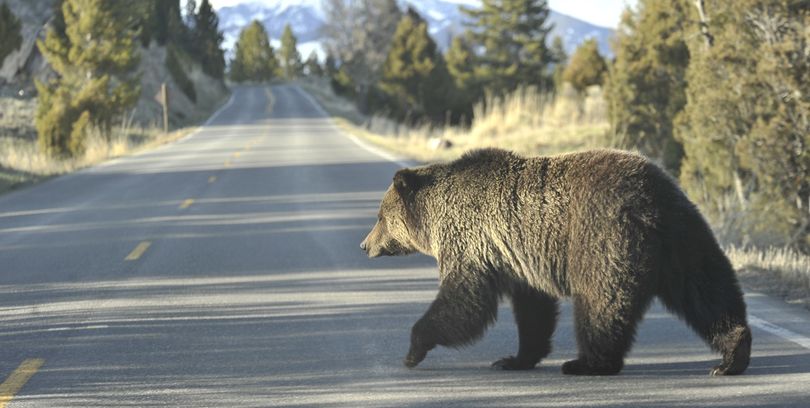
(379, 218)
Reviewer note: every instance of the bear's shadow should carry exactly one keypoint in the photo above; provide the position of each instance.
(760, 366)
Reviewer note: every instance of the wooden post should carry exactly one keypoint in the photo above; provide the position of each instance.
(164, 100)
(162, 97)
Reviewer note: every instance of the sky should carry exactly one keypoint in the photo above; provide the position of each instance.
(604, 13)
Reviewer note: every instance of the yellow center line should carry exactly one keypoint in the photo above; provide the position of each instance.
(186, 203)
(212, 179)
(18, 378)
(236, 154)
(138, 251)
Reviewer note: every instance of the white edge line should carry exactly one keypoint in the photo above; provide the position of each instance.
(221, 108)
(182, 139)
(779, 331)
(211, 118)
(362, 144)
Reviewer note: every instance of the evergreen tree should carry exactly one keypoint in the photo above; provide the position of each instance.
(312, 66)
(162, 21)
(289, 55)
(339, 79)
(560, 60)
(587, 67)
(414, 74)
(254, 58)
(207, 41)
(646, 83)
(746, 130)
(330, 66)
(10, 38)
(512, 35)
(94, 62)
(460, 60)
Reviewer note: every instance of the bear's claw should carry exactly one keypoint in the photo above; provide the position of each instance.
(414, 358)
(513, 363)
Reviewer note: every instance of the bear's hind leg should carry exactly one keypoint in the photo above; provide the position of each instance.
(735, 344)
(536, 317)
(605, 332)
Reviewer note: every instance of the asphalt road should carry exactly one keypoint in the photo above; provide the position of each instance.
(246, 287)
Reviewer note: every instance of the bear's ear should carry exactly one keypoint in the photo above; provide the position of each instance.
(407, 182)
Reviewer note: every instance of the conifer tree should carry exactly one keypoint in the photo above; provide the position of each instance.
(330, 65)
(339, 79)
(646, 83)
(415, 76)
(586, 68)
(162, 21)
(94, 62)
(465, 90)
(460, 63)
(254, 58)
(312, 66)
(289, 55)
(746, 130)
(512, 35)
(10, 38)
(207, 40)
(560, 60)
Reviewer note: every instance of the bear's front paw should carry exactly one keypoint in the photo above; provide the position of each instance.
(581, 367)
(514, 363)
(728, 369)
(414, 357)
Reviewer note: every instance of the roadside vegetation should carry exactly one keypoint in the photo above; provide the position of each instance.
(23, 162)
(95, 99)
(716, 93)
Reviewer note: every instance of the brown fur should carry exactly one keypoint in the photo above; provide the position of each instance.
(606, 228)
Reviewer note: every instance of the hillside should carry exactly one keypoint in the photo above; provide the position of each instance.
(21, 67)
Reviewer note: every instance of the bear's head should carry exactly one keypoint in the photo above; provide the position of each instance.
(398, 221)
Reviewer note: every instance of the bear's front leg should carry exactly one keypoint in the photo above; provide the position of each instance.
(466, 304)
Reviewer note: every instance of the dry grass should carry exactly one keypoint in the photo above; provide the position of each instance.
(526, 121)
(779, 271)
(21, 162)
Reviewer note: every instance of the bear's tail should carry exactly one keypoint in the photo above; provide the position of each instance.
(700, 286)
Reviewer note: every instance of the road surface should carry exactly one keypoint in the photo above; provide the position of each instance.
(224, 270)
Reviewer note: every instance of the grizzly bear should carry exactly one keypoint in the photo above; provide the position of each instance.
(608, 229)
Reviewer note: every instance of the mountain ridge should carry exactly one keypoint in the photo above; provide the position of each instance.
(444, 18)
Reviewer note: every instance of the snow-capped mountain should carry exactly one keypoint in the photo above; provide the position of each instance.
(445, 20)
